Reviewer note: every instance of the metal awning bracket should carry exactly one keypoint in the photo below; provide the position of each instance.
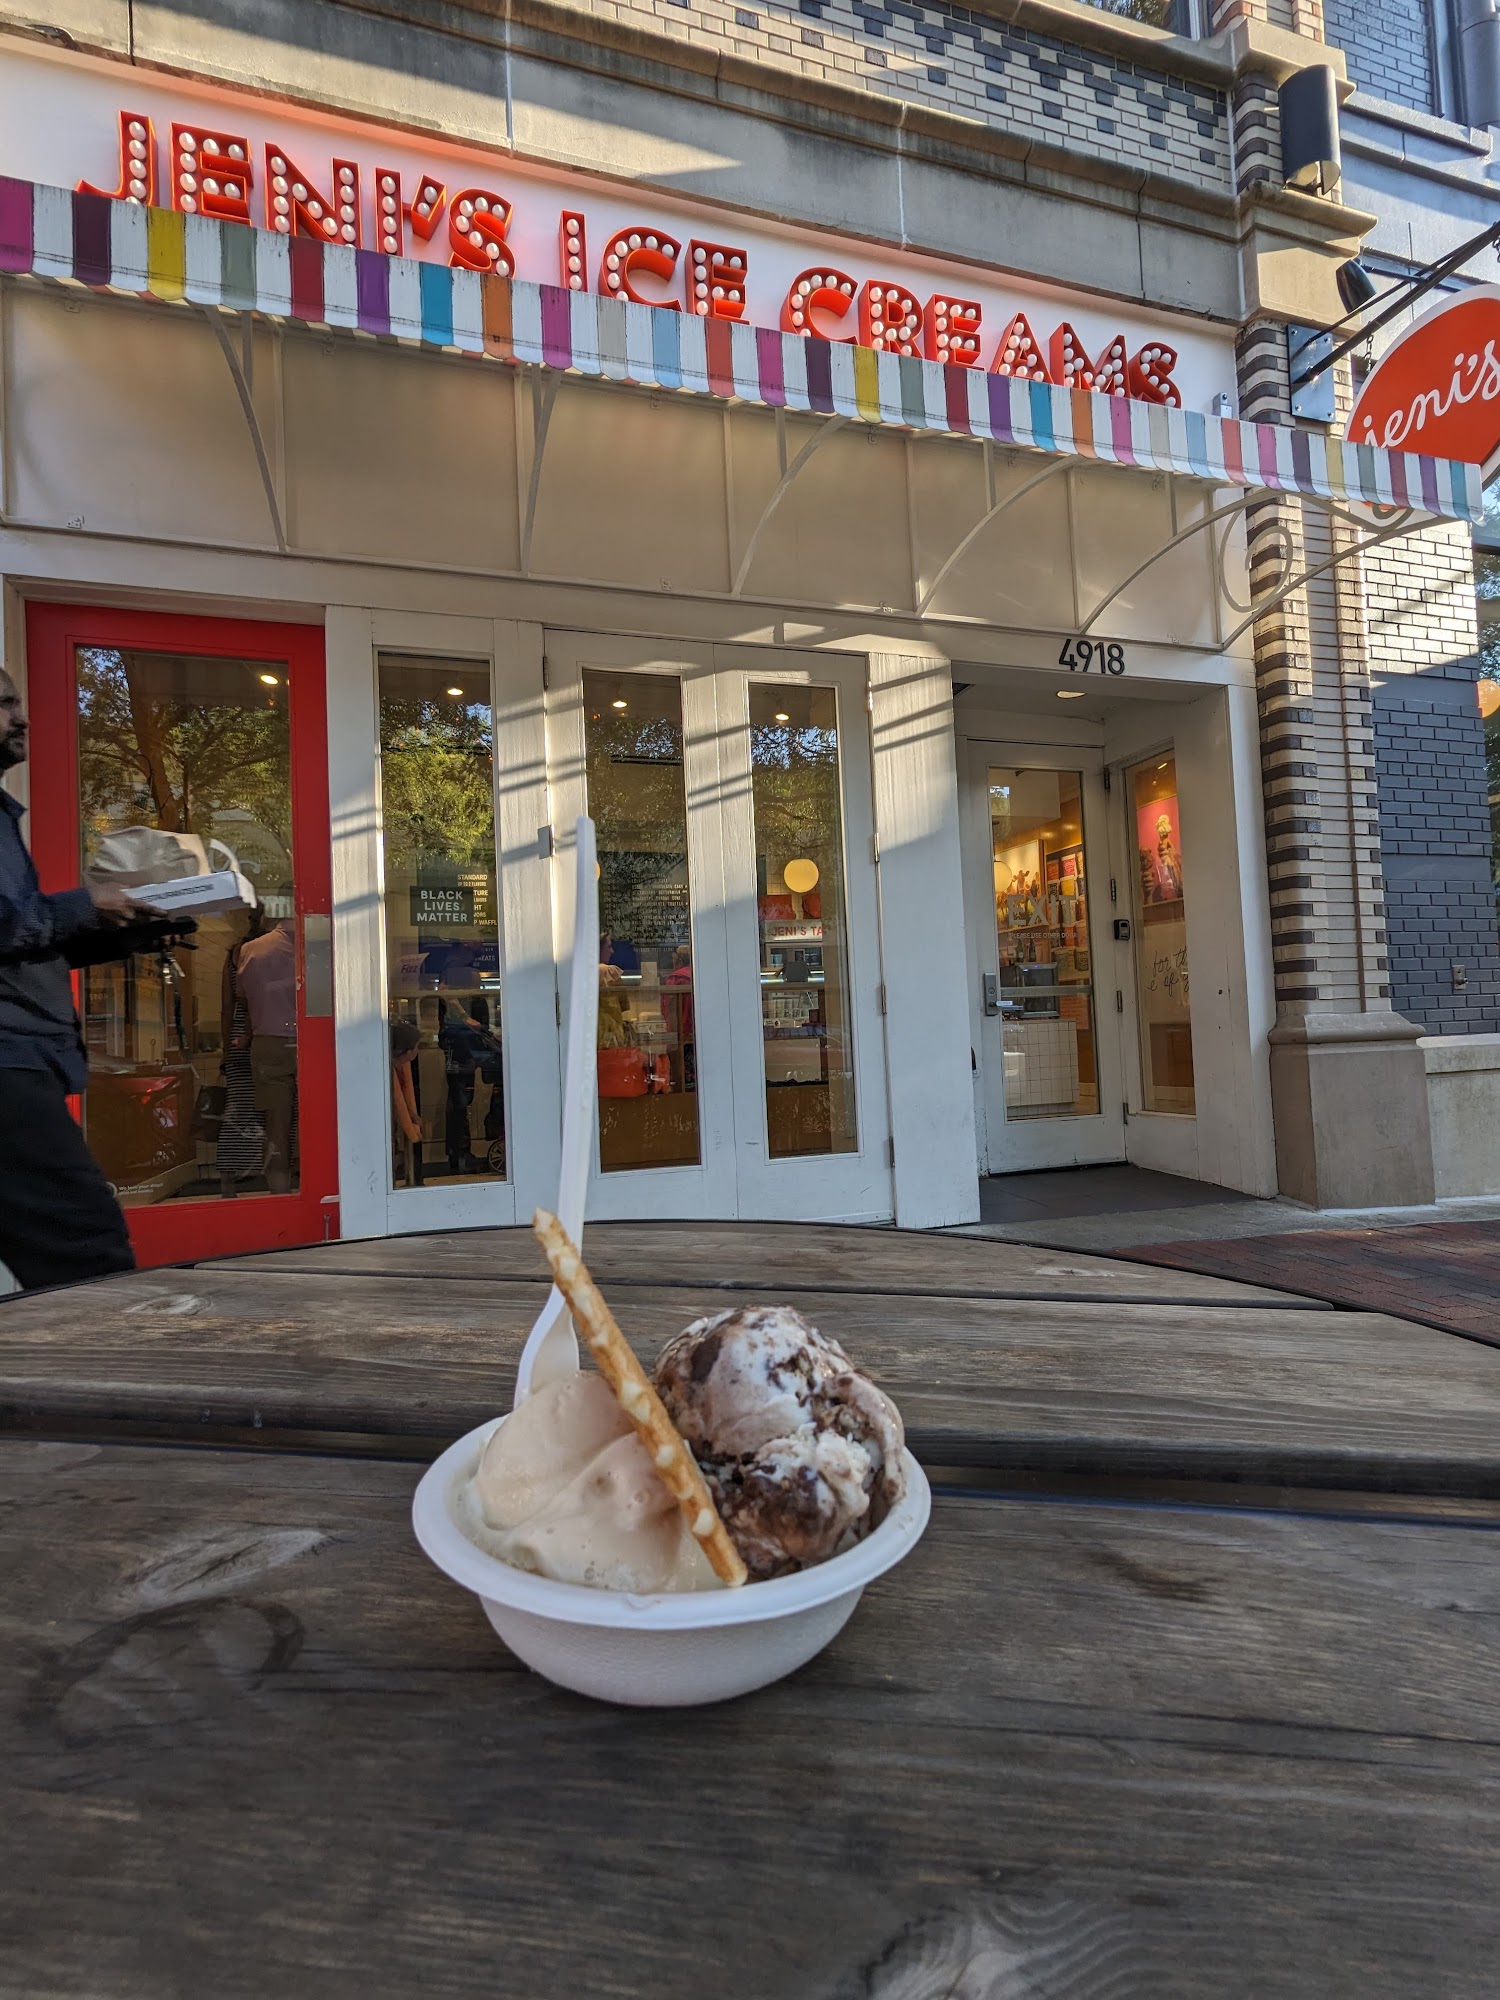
(242, 372)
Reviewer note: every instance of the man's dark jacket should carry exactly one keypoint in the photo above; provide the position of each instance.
(41, 939)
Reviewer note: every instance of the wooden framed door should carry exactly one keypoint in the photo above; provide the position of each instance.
(1038, 859)
(211, 1099)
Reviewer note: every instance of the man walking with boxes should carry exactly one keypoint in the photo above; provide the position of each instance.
(59, 1220)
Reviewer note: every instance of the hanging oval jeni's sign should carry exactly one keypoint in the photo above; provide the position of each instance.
(1437, 388)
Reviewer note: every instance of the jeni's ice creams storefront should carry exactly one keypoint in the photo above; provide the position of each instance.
(375, 504)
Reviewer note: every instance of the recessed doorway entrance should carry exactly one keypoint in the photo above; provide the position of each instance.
(1050, 1055)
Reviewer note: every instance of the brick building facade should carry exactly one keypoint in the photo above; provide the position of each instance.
(1424, 176)
(1435, 832)
(1388, 45)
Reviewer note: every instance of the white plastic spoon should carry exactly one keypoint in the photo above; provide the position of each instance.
(551, 1349)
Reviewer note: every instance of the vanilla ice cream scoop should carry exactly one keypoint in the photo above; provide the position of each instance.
(800, 1449)
(566, 1489)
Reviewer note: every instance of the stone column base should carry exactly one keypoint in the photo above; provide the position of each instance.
(1349, 1098)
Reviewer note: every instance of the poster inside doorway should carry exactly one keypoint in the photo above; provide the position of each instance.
(1159, 849)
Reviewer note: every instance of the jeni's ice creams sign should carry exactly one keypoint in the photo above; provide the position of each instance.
(137, 137)
(1436, 389)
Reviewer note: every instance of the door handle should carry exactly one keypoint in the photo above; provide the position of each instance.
(991, 987)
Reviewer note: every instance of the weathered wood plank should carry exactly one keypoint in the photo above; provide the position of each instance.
(256, 1745)
(778, 1255)
(1348, 1399)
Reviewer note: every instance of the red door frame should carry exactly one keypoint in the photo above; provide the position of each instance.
(172, 1232)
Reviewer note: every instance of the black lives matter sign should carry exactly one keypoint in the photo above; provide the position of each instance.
(441, 907)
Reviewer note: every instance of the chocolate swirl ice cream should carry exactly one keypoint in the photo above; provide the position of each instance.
(800, 1449)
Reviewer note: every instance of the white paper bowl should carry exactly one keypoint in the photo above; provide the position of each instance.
(672, 1651)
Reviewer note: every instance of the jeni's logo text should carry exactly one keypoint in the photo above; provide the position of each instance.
(1437, 388)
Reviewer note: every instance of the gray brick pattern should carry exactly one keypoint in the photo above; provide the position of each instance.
(1435, 839)
(974, 65)
(1387, 47)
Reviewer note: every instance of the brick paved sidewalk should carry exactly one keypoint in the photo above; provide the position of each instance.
(1443, 1274)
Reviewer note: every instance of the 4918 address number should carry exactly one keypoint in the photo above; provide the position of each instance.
(1092, 656)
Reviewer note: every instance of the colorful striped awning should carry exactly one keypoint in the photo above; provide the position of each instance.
(156, 253)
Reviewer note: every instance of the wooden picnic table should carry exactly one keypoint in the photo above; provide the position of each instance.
(1005, 1359)
(256, 1745)
(1121, 1744)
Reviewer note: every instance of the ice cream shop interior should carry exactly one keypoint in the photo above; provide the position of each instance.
(388, 481)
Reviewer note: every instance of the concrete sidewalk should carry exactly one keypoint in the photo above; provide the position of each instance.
(1113, 1208)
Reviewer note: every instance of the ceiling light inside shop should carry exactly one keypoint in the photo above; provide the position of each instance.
(782, 716)
(1070, 694)
(269, 680)
(800, 876)
(619, 704)
(455, 690)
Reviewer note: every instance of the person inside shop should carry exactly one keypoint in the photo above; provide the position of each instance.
(620, 953)
(240, 1147)
(59, 1219)
(266, 973)
(406, 1119)
(491, 1074)
(468, 1046)
(679, 985)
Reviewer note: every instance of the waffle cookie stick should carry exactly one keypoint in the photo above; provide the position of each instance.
(616, 1361)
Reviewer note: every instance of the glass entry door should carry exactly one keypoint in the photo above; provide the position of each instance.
(740, 1055)
(210, 1103)
(1040, 881)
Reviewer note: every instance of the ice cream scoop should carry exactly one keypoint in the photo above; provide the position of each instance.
(566, 1490)
(801, 1451)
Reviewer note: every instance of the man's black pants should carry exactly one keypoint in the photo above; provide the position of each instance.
(59, 1222)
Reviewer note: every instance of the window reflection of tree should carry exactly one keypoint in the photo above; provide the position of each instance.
(175, 744)
(797, 794)
(437, 784)
(635, 793)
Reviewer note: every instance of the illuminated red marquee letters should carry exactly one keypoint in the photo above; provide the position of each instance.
(137, 163)
(477, 221)
(950, 330)
(630, 253)
(1019, 353)
(830, 292)
(210, 173)
(716, 280)
(572, 251)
